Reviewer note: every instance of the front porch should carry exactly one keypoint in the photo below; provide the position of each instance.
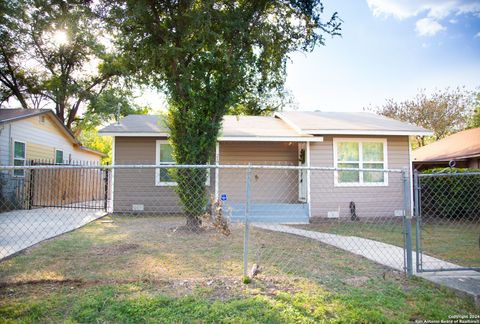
(275, 195)
(268, 213)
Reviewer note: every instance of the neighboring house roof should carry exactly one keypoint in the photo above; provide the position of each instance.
(355, 123)
(459, 146)
(13, 115)
(284, 126)
(9, 115)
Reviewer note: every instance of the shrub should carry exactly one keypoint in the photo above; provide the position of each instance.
(454, 196)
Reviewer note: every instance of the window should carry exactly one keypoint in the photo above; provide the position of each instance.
(164, 157)
(58, 156)
(19, 157)
(360, 154)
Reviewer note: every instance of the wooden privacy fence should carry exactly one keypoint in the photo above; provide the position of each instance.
(68, 188)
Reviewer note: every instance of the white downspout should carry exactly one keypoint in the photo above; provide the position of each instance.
(309, 201)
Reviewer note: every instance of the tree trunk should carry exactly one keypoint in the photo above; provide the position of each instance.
(193, 223)
(193, 195)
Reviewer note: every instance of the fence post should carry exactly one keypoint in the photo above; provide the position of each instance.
(407, 218)
(418, 227)
(105, 203)
(246, 237)
(30, 187)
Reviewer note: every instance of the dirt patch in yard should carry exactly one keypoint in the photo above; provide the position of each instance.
(115, 249)
(142, 257)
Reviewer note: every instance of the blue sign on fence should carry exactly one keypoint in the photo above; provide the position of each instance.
(223, 197)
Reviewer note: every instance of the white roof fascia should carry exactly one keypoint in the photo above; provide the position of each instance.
(127, 134)
(270, 139)
(367, 132)
(229, 138)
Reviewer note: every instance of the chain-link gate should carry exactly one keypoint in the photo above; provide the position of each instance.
(447, 210)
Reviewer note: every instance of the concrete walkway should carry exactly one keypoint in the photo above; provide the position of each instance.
(20, 229)
(463, 282)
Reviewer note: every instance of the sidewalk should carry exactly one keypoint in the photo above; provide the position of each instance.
(466, 283)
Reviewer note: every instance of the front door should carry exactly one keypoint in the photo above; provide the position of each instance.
(302, 174)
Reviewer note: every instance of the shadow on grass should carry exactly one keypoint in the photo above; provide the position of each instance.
(140, 270)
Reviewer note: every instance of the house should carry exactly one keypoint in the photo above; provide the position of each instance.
(27, 134)
(34, 135)
(463, 148)
(317, 139)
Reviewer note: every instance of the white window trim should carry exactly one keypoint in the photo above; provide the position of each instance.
(159, 183)
(63, 156)
(360, 162)
(14, 158)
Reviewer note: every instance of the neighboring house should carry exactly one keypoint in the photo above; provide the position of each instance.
(463, 148)
(38, 135)
(317, 139)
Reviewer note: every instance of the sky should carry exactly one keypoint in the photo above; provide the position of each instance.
(389, 49)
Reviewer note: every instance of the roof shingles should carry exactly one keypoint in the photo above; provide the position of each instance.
(286, 124)
(461, 145)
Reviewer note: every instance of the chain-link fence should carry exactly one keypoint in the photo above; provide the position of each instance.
(246, 219)
(447, 232)
(213, 220)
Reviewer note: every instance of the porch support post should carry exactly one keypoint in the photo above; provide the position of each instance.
(217, 173)
(307, 158)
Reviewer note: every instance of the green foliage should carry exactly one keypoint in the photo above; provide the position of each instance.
(452, 197)
(69, 61)
(104, 108)
(91, 139)
(246, 280)
(263, 103)
(475, 119)
(206, 56)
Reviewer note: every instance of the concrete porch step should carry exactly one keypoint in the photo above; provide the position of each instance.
(269, 213)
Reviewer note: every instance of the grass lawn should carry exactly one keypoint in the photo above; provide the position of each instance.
(143, 270)
(456, 243)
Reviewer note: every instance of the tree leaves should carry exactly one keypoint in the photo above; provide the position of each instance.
(444, 111)
(38, 71)
(207, 56)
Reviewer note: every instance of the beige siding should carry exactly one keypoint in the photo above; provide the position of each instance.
(134, 186)
(138, 187)
(42, 138)
(275, 186)
(39, 152)
(379, 201)
(267, 186)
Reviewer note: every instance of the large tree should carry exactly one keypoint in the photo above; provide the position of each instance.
(443, 112)
(206, 55)
(53, 53)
